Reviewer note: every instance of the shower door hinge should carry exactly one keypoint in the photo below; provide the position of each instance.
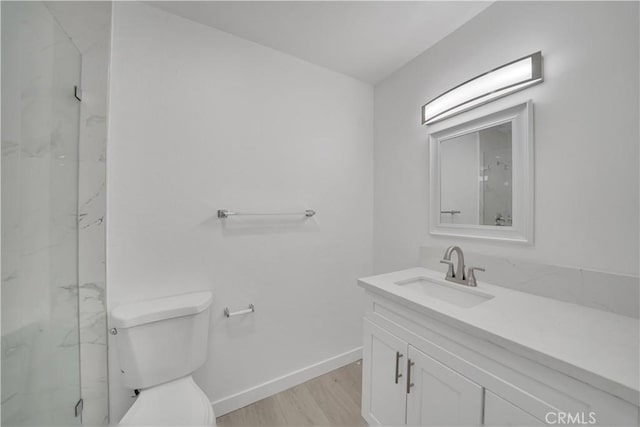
(79, 407)
(77, 92)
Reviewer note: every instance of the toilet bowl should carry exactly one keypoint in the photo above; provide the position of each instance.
(160, 343)
(176, 403)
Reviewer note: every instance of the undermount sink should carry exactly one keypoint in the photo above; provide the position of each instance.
(447, 292)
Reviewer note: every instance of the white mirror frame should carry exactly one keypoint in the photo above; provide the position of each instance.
(521, 117)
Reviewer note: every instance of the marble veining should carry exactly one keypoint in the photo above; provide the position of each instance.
(95, 119)
(9, 147)
(95, 223)
(11, 276)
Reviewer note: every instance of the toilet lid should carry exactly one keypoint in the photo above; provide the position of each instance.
(176, 403)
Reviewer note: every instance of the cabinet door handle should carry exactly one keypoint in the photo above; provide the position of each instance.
(409, 383)
(398, 374)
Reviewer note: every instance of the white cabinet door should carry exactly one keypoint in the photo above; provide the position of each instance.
(440, 396)
(383, 396)
(499, 412)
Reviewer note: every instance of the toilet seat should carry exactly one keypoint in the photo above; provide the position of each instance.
(176, 403)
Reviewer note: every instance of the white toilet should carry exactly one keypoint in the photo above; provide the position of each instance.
(160, 343)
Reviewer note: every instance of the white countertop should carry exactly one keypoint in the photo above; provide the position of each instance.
(594, 346)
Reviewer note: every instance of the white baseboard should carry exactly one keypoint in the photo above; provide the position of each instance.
(259, 392)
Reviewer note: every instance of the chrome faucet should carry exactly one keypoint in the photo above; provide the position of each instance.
(458, 275)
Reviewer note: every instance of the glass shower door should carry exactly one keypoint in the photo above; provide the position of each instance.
(40, 126)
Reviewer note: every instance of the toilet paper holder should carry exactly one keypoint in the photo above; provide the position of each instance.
(228, 313)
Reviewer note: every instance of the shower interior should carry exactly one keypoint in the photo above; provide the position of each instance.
(40, 146)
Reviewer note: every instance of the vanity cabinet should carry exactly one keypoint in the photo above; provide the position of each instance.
(406, 386)
(439, 396)
(420, 370)
(385, 355)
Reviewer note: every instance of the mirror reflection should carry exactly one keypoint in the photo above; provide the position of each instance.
(476, 177)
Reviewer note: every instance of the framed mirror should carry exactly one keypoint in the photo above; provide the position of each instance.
(481, 170)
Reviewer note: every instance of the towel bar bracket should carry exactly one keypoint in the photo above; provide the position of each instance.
(228, 313)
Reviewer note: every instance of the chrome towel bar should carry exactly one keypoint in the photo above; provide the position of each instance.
(223, 213)
(251, 309)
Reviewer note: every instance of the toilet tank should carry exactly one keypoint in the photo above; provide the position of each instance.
(161, 339)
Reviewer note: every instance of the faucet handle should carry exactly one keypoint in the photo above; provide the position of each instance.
(471, 276)
(450, 270)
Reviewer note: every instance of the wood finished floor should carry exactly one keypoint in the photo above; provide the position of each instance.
(332, 399)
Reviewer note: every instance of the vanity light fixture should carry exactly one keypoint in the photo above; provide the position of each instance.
(499, 82)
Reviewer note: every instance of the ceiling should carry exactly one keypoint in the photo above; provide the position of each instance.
(367, 40)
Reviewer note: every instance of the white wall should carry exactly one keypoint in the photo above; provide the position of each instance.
(586, 133)
(202, 120)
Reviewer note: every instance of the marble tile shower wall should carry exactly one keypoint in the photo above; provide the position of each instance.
(35, 224)
(605, 291)
(40, 351)
(89, 26)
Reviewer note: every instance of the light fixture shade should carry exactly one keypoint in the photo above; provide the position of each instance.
(499, 82)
